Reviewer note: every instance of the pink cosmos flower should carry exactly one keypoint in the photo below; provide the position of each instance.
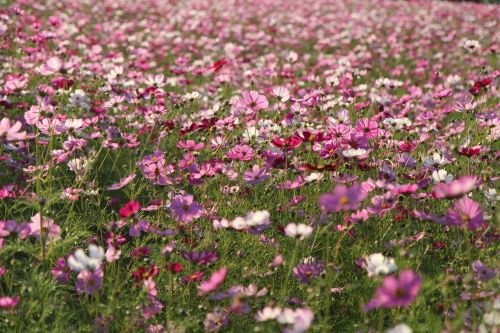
(185, 209)
(342, 198)
(396, 292)
(55, 65)
(404, 189)
(368, 127)
(89, 281)
(51, 231)
(466, 212)
(10, 132)
(256, 175)
(454, 189)
(253, 100)
(9, 302)
(122, 183)
(213, 282)
(190, 145)
(241, 153)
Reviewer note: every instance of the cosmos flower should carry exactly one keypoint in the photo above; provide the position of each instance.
(213, 282)
(299, 231)
(80, 262)
(466, 213)
(455, 189)
(130, 208)
(441, 176)
(396, 292)
(305, 271)
(122, 183)
(88, 281)
(342, 198)
(241, 153)
(184, 208)
(377, 264)
(61, 272)
(254, 101)
(8, 302)
(400, 328)
(256, 175)
(51, 231)
(10, 131)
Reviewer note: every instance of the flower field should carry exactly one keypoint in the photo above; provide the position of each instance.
(249, 166)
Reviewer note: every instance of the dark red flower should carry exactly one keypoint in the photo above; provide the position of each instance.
(174, 267)
(144, 273)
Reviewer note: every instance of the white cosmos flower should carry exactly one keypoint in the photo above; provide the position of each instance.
(313, 177)
(354, 152)
(282, 93)
(299, 231)
(377, 264)
(268, 313)
(440, 176)
(435, 160)
(79, 261)
(401, 328)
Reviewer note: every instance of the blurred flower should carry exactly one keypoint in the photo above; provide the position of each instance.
(377, 264)
(79, 261)
(89, 281)
(396, 292)
(213, 282)
(455, 189)
(299, 231)
(401, 328)
(10, 131)
(342, 198)
(466, 212)
(51, 231)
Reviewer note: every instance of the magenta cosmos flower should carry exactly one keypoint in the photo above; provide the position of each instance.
(10, 132)
(241, 153)
(8, 302)
(342, 198)
(89, 281)
(253, 100)
(466, 212)
(396, 292)
(454, 189)
(184, 208)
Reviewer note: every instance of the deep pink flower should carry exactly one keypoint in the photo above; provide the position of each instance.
(130, 208)
(396, 292)
(9, 302)
(213, 282)
(342, 198)
(368, 127)
(184, 208)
